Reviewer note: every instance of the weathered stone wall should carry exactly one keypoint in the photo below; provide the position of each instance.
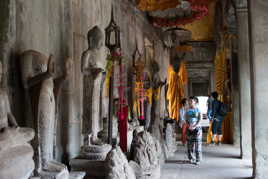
(200, 67)
(60, 28)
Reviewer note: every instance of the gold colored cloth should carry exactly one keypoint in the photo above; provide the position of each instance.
(203, 29)
(227, 133)
(184, 48)
(175, 93)
(153, 5)
(220, 65)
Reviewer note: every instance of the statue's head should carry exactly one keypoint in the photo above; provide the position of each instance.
(32, 63)
(39, 65)
(95, 38)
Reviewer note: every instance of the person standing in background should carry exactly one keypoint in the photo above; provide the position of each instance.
(182, 122)
(217, 119)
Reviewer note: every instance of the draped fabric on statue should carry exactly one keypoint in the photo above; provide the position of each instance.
(227, 136)
(139, 97)
(227, 132)
(153, 5)
(220, 65)
(175, 93)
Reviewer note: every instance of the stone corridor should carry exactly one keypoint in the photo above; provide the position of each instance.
(219, 162)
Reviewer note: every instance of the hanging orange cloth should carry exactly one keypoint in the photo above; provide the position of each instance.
(153, 5)
(227, 134)
(220, 65)
(175, 93)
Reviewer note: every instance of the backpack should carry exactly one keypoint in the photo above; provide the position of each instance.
(223, 110)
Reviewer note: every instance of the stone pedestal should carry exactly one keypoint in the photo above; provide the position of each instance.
(16, 155)
(94, 169)
(91, 160)
(170, 145)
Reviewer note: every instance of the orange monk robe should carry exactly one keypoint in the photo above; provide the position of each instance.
(175, 93)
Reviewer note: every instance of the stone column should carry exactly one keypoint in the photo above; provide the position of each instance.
(71, 124)
(258, 15)
(244, 80)
(212, 81)
(236, 104)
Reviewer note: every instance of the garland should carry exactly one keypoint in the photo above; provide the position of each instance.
(199, 11)
(116, 56)
(198, 7)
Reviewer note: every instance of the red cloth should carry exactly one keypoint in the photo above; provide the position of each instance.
(122, 116)
(183, 133)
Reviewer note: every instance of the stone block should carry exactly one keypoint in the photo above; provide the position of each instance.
(92, 168)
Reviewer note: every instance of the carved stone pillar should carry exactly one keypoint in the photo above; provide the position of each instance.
(258, 15)
(244, 79)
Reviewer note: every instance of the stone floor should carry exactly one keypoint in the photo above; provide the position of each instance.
(218, 162)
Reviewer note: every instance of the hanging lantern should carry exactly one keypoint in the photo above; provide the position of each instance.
(112, 35)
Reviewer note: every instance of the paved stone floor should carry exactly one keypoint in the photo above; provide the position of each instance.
(218, 162)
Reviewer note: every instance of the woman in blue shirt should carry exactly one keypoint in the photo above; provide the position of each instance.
(194, 132)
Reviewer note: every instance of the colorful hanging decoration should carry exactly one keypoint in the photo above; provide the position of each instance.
(203, 30)
(123, 107)
(111, 58)
(153, 5)
(175, 93)
(139, 91)
(198, 10)
(112, 41)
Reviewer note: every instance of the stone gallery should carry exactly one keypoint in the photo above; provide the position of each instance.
(133, 89)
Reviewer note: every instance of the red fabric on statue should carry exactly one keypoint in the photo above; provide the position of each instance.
(122, 116)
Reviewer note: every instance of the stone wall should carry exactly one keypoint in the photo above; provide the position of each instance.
(200, 67)
(60, 28)
(258, 29)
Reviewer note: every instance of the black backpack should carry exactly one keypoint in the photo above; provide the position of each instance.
(223, 109)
